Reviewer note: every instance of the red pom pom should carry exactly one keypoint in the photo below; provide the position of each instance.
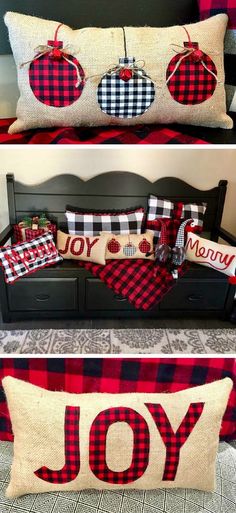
(56, 54)
(126, 74)
(232, 280)
(189, 229)
(197, 55)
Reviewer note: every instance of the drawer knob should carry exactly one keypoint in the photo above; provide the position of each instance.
(194, 298)
(42, 297)
(119, 298)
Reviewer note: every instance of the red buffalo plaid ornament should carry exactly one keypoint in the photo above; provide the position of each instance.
(191, 76)
(56, 77)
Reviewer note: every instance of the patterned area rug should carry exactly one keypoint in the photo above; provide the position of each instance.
(152, 501)
(116, 341)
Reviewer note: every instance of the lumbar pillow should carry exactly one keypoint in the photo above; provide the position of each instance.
(68, 441)
(77, 247)
(92, 223)
(130, 246)
(211, 254)
(27, 257)
(118, 75)
(211, 8)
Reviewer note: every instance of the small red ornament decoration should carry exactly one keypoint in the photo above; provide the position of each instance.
(191, 76)
(113, 246)
(144, 246)
(126, 74)
(232, 280)
(56, 77)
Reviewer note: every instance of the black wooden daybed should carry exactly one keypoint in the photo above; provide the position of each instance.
(68, 291)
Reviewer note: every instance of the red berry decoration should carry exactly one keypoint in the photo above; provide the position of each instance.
(129, 250)
(126, 74)
(144, 246)
(113, 246)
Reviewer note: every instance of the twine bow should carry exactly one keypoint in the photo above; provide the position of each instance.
(196, 53)
(56, 54)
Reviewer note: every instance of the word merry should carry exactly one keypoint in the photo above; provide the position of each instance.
(77, 245)
(210, 255)
(173, 442)
(29, 256)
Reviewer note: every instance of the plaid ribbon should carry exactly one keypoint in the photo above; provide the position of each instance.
(119, 375)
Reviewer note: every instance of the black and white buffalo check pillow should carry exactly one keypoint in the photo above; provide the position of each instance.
(27, 257)
(122, 99)
(159, 207)
(80, 223)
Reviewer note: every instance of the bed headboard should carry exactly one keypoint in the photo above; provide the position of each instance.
(102, 13)
(113, 190)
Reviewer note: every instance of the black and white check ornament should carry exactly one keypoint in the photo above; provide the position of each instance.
(125, 91)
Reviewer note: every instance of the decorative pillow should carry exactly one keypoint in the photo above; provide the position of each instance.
(211, 254)
(130, 246)
(209, 8)
(89, 249)
(27, 257)
(118, 75)
(93, 223)
(110, 441)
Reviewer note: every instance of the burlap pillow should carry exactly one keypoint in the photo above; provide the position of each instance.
(78, 247)
(211, 254)
(108, 441)
(130, 246)
(100, 86)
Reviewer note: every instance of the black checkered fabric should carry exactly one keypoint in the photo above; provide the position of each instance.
(125, 99)
(159, 207)
(90, 224)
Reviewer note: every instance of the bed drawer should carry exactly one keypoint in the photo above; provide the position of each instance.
(196, 295)
(99, 297)
(43, 294)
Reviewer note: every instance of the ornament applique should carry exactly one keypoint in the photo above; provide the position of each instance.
(56, 77)
(113, 246)
(144, 246)
(129, 249)
(126, 91)
(191, 76)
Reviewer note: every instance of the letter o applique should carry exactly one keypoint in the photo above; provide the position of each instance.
(97, 445)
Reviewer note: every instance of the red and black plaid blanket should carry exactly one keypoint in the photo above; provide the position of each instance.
(117, 375)
(139, 134)
(135, 280)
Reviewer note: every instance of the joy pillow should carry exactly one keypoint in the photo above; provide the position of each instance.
(211, 254)
(130, 246)
(77, 247)
(108, 441)
(27, 257)
(122, 76)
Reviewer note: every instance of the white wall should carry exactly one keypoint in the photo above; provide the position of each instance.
(8, 87)
(202, 168)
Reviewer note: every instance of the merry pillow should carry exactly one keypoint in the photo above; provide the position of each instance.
(77, 247)
(121, 76)
(108, 441)
(27, 257)
(211, 254)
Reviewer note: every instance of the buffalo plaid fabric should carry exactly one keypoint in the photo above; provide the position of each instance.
(27, 257)
(94, 223)
(191, 83)
(138, 134)
(174, 441)
(135, 280)
(141, 445)
(122, 99)
(159, 207)
(53, 82)
(72, 454)
(28, 234)
(119, 375)
(171, 227)
(209, 8)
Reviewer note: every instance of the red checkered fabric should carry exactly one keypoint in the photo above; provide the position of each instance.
(119, 375)
(138, 134)
(171, 228)
(174, 440)
(141, 445)
(32, 234)
(53, 82)
(135, 280)
(72, 453)
(191, 82)
(212, 7)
